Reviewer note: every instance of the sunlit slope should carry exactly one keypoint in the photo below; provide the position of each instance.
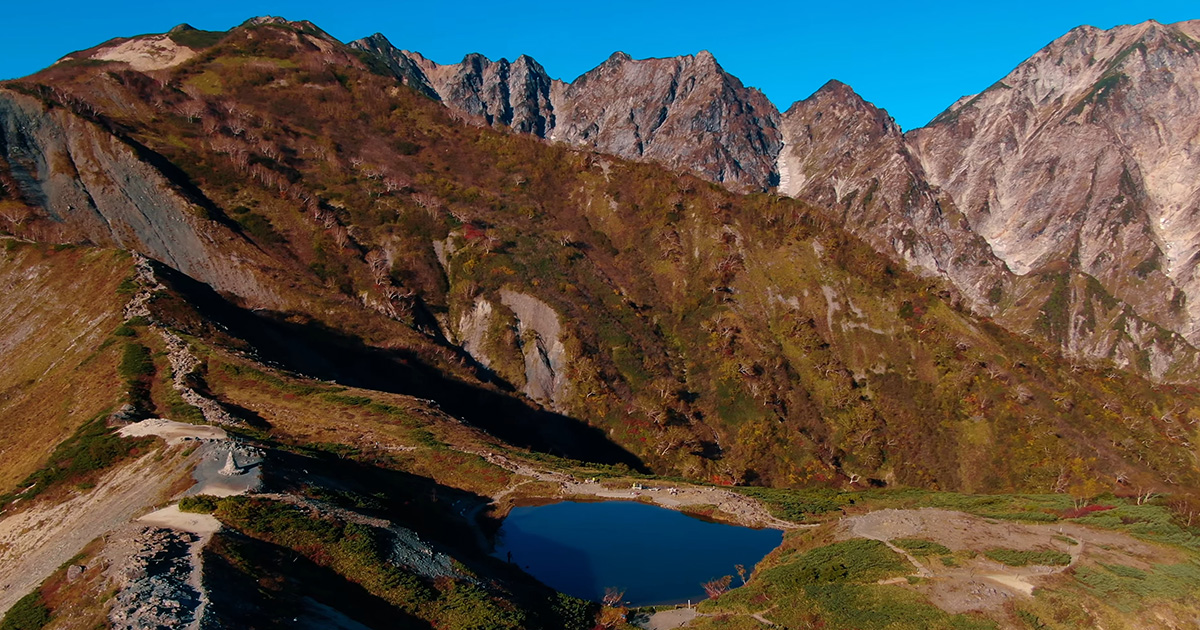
(57, 317)
(734, 338)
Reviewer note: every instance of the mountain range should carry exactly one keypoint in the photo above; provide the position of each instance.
(1064, 185)
(444, 288)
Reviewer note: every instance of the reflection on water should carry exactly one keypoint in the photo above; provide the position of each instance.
(657, 556)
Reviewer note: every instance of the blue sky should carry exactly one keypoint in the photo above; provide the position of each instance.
(913, 59)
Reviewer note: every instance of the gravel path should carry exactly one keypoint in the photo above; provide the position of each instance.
(36, 541)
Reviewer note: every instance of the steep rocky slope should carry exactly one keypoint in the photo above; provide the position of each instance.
(1066, 166)
(844, 153)
(1082, 156)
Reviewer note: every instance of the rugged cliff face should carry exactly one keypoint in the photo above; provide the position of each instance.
(1083, 156)
(73, 180)
(1076, 164)
(686, 113)
(844, 153)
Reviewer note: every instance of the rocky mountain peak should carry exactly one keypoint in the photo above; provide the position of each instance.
(839, 100)
(1077, 156)
(405, 66)
(842, 152)
(684, 112)
(617, 58)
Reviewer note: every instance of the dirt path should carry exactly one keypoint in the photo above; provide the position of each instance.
(736, 507)
(35, 542)
(669, 619)
(863, 529)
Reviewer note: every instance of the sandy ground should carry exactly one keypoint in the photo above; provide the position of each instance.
(667, 619)
(147, 53)
(35, 542)
(173, 432)
(171, 518)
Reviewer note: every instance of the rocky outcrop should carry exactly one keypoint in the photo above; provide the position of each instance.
(686, 112)
(541, 344)
(156, 588)
(400, 63)
(1057, 201)
(472, 331)
(843, 153)
(89, 185)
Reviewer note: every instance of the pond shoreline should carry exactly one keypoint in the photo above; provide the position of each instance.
(656, 556)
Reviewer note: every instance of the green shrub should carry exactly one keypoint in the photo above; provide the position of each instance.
(127, 286)
(200, 504)
(1016, 558)
(136, 362)
(1151, 522)
(92, 448)
(29, 613)
(1127, 588)
(197, 39)
(858, 560)
(259, 228)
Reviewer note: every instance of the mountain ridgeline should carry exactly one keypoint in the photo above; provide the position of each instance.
(1056, 201)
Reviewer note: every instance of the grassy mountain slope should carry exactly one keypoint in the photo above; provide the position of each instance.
(60, 309)
(725, 337)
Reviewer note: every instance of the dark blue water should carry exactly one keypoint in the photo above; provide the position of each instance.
(657, 556)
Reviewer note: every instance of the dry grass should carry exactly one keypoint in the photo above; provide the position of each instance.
(60, 309)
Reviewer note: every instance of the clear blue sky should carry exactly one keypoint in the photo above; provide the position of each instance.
(913, 59)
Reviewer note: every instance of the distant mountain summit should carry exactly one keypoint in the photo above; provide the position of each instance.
(1084, 155)
(686, 112)
(1060, 200)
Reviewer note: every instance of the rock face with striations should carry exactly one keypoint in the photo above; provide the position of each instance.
(1067, 184)
(95, 186)
(1084, 155)
(686, 113)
